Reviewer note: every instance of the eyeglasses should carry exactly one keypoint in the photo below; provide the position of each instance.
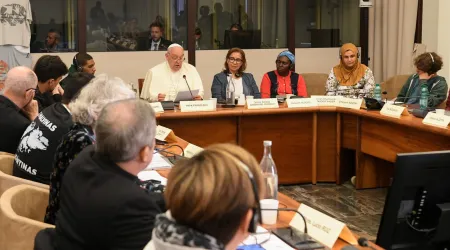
(234, 60)
(176, 58)
(278, 62)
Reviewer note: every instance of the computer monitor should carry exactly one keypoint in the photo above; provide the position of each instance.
(244, 39)
(417, 210)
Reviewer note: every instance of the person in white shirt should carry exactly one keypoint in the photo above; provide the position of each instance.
(165, 80)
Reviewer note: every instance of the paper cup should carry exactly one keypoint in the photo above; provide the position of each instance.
(440, 111)
(269, 217)
(214, 100)
(288, 96)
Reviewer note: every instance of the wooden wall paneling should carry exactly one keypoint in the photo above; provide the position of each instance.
(374, 172)
(326, 146)
(292, 137)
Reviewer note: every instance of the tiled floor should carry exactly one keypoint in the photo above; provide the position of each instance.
(360, 209)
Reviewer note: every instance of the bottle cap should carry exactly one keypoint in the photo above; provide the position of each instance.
(267, 143)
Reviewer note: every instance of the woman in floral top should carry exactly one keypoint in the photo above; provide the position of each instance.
(85, 110)
(350, 78)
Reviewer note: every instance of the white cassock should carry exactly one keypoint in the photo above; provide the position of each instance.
(161, 80)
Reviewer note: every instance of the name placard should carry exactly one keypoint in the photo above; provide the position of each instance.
(162, 132)
(393, 111)
(157, 107)
(192, 150)
(195, 106)
(322, 227)
(436, 120)
(270, 103)
(324, 100)
(301, 103)
(350, 103)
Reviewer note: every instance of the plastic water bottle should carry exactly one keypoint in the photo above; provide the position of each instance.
(377, 92)
(269, 171)
(424, 97)
(230, 98)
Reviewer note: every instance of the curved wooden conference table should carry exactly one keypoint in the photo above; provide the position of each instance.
(319, 144)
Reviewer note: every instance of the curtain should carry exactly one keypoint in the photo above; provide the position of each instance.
(392, 26)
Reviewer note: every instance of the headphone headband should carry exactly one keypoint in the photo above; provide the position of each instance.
(75, 63)
(432, 58)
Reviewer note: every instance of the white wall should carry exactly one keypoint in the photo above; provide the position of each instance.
(133, 65)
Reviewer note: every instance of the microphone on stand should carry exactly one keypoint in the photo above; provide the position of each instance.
(184, 77)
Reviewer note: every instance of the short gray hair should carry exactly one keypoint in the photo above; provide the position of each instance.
(19, 79)
(124, 128)
(95, 95)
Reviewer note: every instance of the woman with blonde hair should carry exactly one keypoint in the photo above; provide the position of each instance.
(350, 78)
(212, 201)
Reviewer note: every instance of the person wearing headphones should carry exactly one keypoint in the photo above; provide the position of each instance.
(427, 66)
(83, 62)
(283, 80)
(241, 82)
(350, 78)
(212, 201)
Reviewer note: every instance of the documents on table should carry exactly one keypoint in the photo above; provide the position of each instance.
(152, 175)
(158, 162)
(262, 235)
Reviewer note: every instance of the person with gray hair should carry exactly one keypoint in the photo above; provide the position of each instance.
(102, 203)
(85, 112)
(17, 107)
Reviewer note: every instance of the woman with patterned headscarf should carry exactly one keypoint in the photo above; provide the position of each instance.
(350, 78)
(283, 80)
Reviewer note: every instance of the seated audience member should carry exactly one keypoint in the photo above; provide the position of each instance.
(350, 78)
(85, 110)
(82, 62)
(165, 80)
(236, 27)
(103, 205)
(212, 200)
(17, 107)
(233, 74)
(283, 80)
(52, 42)
(49, 71)
(427, 66)
(157, 42)
(34, 156)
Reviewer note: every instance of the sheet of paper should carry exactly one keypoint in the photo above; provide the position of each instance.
(152, 175)
(274, 242)
(158, 162)
(186, 95)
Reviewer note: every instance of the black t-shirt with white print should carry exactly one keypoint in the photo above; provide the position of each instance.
(36, 151)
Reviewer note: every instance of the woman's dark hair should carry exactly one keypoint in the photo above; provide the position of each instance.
(429, 62)
(244, 60)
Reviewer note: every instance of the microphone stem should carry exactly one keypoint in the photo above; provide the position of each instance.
(305, 228)
(192, 96)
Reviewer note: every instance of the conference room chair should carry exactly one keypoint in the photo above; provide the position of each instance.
(393, 85)
(22, 210)
(140, 84)
(315, 83)
(7, 180)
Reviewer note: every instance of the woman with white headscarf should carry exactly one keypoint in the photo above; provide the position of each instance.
(283, 80)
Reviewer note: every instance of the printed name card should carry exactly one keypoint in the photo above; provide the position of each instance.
(436, 120)
(350, 103)
(393, 111)
(323, 100)
(192, 150)
(195, 106)
(301, 103)
(271, 103)
(322, 227)
(162, 132)
(157, 107)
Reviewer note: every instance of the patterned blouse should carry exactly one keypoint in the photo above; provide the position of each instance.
(363, 88)
(79, 137)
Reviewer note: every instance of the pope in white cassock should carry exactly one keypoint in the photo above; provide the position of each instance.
(165, 80)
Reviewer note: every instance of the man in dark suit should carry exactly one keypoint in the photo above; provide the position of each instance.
(156, 41)
(102, 205)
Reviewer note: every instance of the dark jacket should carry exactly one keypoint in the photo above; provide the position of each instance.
(46, 99)
(411, 90)
(219, 86)
(147, 44)
(13, 123)
(36, 151)
(103, 207)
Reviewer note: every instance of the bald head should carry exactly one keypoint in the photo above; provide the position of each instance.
(124, 128)
(19, 80)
